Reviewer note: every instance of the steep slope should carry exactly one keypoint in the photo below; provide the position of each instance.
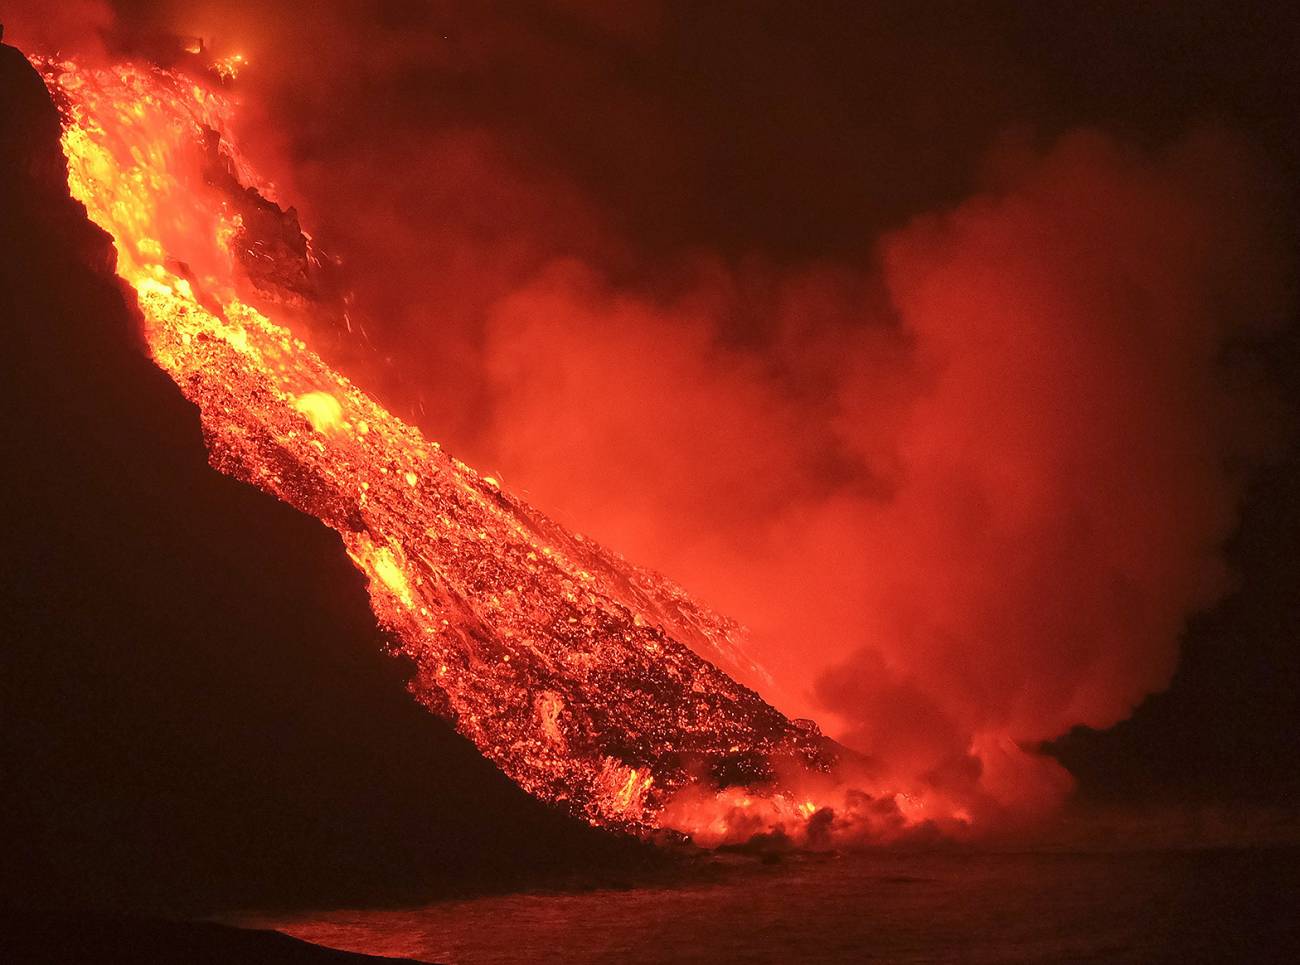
(195, 705)
(591, 683)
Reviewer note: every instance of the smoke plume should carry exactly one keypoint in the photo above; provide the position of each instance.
(989, 520)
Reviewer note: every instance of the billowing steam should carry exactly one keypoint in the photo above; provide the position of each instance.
(965, 481)
(965, 504)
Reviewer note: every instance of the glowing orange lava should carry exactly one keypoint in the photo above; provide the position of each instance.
(592, 683)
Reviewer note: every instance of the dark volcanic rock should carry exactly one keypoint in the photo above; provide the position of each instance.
(34, 939)
(195, 707)
(270, 244)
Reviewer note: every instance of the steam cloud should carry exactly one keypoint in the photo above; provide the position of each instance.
(964, 480)
(991, 520)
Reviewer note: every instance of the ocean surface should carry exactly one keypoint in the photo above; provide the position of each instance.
(1188, 906)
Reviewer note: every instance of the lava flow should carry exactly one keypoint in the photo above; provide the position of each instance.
(592, 683)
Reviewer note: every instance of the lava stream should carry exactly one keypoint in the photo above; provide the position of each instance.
(592, 683)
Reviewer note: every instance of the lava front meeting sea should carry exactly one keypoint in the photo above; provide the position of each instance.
(594, 684)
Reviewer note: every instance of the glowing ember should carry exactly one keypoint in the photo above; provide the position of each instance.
(579, 675)
(228, 68)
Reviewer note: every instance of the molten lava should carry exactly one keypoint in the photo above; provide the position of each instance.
(591, 682)
(571, 669)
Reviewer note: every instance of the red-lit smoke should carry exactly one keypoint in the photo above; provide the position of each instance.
(1008, 491)
(965, 484)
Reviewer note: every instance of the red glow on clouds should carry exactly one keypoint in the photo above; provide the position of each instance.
(960, 518)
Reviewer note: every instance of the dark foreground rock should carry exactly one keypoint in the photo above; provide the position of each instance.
(51, 940)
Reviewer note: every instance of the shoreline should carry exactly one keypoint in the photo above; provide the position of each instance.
(91, 939)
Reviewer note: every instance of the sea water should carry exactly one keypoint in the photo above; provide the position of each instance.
(1185, 906)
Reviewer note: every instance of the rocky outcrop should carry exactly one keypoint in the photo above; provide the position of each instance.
(60, 940)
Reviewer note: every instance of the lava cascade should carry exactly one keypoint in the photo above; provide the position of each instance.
(592, 683)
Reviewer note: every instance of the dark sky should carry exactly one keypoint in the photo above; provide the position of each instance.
(801, 130)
